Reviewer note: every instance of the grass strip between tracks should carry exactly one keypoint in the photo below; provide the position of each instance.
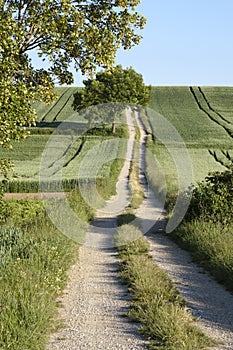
(164, 319)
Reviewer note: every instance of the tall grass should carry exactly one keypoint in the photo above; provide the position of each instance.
(207, 228)
(35, 258)
(211, 244)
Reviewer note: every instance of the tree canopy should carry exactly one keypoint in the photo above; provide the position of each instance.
(115, 87)
(87, 33)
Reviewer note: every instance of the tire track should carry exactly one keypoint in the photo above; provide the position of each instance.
(211, 108)
(69, 160)
(76, 153)
(64, 105)
(54, 105)
(226, 154)
(212, 118)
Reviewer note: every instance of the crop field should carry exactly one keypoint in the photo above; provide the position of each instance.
(67, 151)
(204, 119)
(221, 101)
(202, 116)
(28, 167)
(34, 249)
(179, 106)
(61, 109)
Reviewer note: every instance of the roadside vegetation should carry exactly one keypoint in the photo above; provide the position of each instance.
(34, 260)
(207, 227)
(206, 230)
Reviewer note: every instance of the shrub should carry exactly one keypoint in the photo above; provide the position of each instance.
(213, 198)
(20, 212)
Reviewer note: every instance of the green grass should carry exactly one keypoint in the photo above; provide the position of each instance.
(211, 245)
(26, 150)
(204, 132)
(178, 106)
(220, 99)
(61, 109)
(202, 163)
(155, 302)
(34, 261)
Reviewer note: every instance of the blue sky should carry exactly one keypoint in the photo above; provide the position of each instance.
(185, 42)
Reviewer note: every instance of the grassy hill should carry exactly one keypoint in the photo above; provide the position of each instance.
(61, 109)
(202, 116)
(204, 119)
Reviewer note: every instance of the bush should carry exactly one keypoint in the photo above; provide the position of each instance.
(21, 212)
(213, 198)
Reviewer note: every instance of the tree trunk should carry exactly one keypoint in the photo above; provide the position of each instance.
(113, 127)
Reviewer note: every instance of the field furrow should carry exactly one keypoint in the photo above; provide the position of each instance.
(54, 111)
(203, 105)
(225, 120)
(221, 100)
(44, 117)
(224, 158)
(66, 110)
(179, 107)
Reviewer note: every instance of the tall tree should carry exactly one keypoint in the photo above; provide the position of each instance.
(87, 33)
(124, 86)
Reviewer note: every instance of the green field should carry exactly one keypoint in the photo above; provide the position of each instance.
(34, 250)
(221, 100)
(68, 149)
(204, 119)
(202, 116)
(61, 109)
(179, 106)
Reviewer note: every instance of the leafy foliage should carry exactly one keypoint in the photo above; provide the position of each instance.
(213, 199)
(87, 33)
(20, 213)
(115, 87)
